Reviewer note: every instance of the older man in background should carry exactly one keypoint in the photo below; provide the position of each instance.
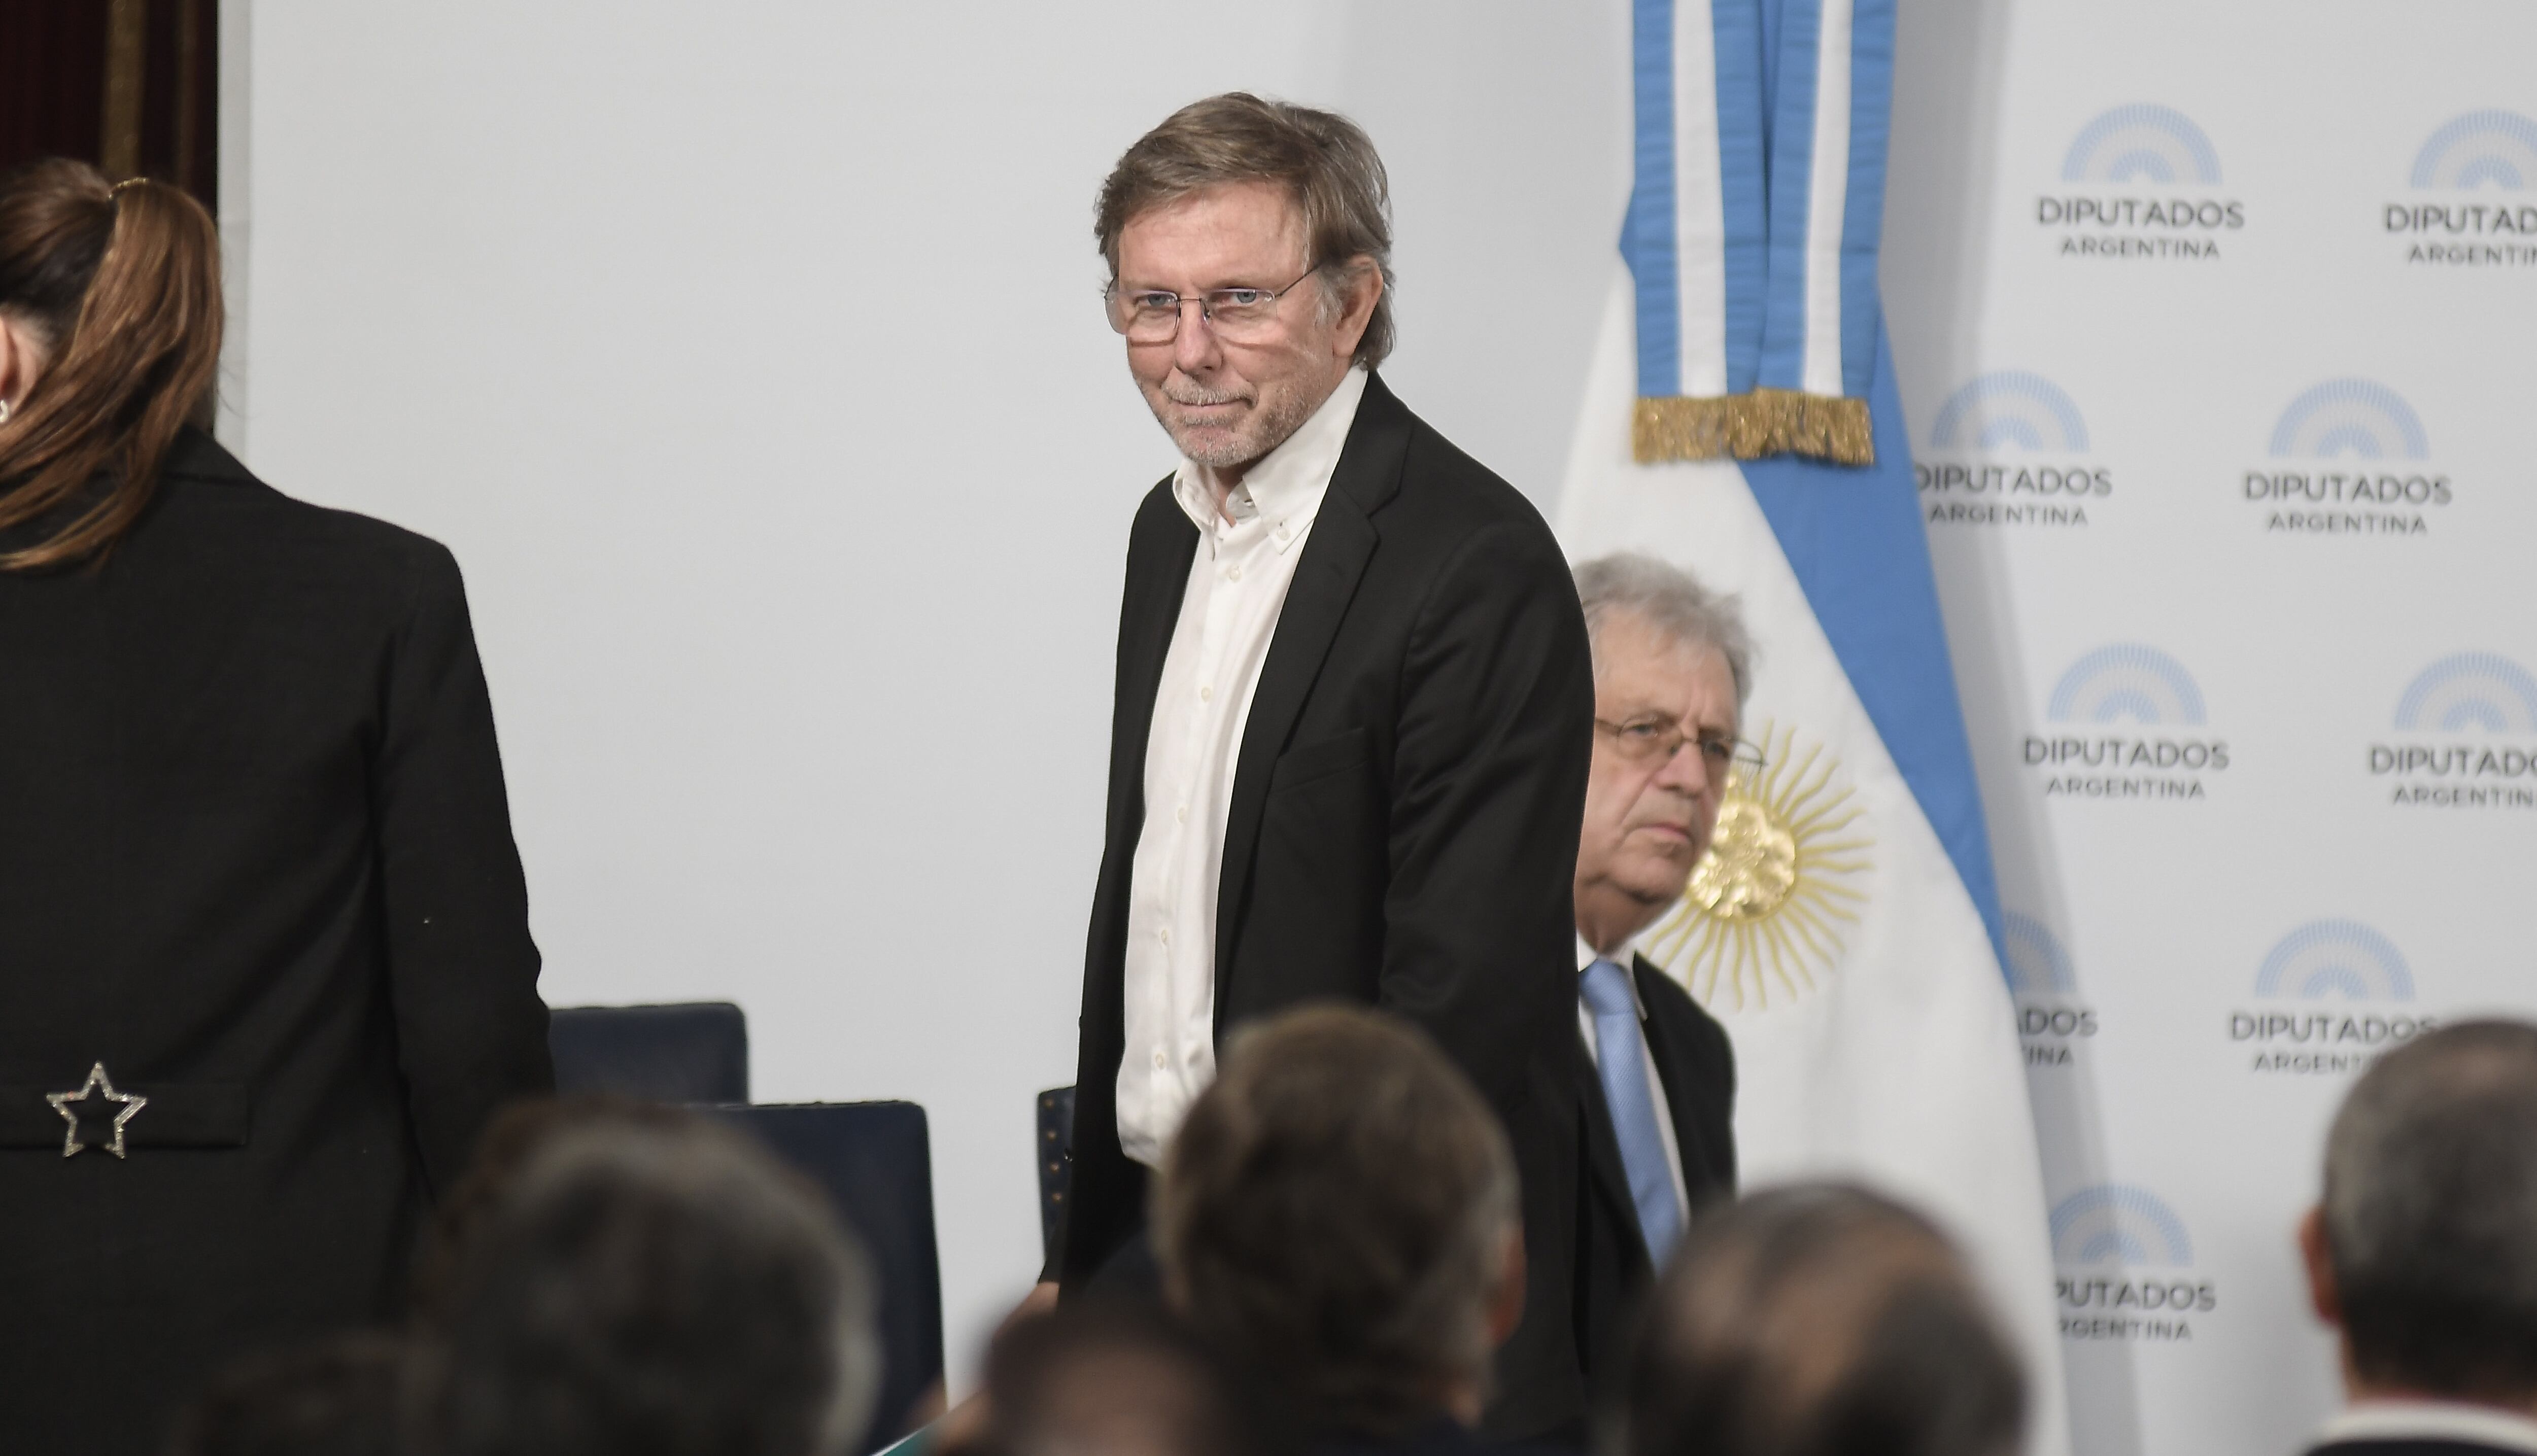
(2423, 1252)
(1656, 1076)
(1349, 744)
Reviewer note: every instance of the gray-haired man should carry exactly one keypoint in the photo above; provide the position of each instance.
(2423, 1252)
(1655, 1077)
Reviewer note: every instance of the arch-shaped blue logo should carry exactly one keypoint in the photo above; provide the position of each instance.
(2009, 407)
(2141, 143)
(2118, 1223)
(2470, 689)
(2126, 681)
(2036, 963)
(2351, 416)
(2481, 149)
(2342, 958)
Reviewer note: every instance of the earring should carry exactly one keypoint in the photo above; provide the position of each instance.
(4, 412)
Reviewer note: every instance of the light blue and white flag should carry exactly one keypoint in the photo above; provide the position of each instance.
(1741, 421)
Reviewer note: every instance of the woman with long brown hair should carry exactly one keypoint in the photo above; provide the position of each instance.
(265, 968)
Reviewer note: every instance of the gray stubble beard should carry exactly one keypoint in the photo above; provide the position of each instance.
(1274, 425)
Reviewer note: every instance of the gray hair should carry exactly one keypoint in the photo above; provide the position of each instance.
(1326, 162)
(1671, 599)
(2431, 1213)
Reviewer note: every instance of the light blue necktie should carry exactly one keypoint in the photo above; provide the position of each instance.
(1622, 1058)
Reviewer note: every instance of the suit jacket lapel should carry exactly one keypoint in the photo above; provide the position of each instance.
(1157, 577)
(1342, 541)
(1673, 1057)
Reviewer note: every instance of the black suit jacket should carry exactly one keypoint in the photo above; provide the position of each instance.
(1697, 1065)
(1402, 831)
(257, 862)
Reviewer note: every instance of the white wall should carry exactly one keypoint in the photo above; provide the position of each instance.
(748, 356)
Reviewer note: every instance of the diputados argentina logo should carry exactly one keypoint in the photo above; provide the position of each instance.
(2123, 1267)
(2009, 447)
(2466, 737)
(2471, 204)
(2333, 994)
(2126, 722)
(2348, 457)
(2140, 181)
(2051, 1019)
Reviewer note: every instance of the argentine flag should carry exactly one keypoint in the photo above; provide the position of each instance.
(1740, 419)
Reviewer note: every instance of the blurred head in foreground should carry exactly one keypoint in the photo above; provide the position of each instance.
(1116, 1379)
(1820, 1320)
(2423, 1252)
(506, 1146)
(1339, 1214)
(664, 1288)
(335, 1398)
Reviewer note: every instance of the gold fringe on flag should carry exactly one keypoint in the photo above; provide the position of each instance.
(1767, 421)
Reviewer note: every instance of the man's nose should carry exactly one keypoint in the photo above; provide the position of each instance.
(1687, 771)
(1194, 348)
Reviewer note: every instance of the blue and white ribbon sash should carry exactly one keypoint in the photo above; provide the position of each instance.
(1752, 232)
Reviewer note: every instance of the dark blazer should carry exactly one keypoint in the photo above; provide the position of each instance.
(1402, 831)
(1697, 1065)
(258, 862)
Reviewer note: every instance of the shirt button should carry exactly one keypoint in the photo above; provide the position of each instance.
(1205, 694)
(1158, 1061)
(1181, 814)
(1233, 573)
(1164, 935)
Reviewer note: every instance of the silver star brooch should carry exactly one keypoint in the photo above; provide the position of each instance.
(97, 1084)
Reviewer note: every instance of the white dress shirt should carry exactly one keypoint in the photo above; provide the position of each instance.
(1237, 586)
(1625, 958)
(2432, 1420)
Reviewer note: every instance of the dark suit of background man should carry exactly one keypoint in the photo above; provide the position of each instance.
(1349, 744)
(2421, 1254)
(1655, 1077)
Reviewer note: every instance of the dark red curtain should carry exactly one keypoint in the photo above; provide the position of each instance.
(130, 84)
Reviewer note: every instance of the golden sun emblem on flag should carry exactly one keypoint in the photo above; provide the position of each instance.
(1769, 907)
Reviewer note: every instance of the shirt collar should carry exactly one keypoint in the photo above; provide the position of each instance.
(2438, 1421)
(1284, 488)
(1626, 958)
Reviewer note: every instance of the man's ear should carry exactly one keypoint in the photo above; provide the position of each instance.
(1506, 1307)
(2318, 1257)
(1363, 289)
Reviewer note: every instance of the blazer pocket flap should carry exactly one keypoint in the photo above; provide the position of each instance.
(1320, 759)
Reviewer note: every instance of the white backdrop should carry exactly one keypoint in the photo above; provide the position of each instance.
(748, 358)
(2178, 926)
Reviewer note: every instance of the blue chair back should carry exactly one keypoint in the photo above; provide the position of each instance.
(875, 1161)
(694, 1053)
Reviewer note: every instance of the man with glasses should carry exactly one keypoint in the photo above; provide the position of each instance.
(1656, 1076)
(1354, 701)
